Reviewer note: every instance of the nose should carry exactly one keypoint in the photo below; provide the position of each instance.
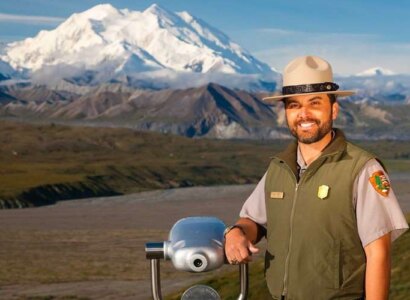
(303, 112)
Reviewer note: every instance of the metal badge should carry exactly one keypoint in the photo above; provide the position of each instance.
(323, 191)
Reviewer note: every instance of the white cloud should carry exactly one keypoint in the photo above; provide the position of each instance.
(23, 19)
(275, 32)
(349, 53)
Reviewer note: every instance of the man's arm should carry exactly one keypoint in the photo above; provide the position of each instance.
(378, 268)
(239, 242)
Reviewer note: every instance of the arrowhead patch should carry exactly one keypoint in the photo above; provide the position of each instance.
(380, 183)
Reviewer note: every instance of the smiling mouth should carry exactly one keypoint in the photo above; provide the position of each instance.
(306, 124)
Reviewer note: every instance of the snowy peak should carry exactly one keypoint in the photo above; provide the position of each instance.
(160, 12)
(122, 43)
(100, 12)
(157, 10)
(160, 18)
(377, 71)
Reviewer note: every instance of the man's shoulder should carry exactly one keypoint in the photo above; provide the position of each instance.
(359, 157)
(359, 151)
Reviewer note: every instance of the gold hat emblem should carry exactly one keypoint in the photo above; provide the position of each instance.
(323, 191)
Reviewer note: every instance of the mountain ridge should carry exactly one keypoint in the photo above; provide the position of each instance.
(158, 49)
(210, 111)
(126, 46)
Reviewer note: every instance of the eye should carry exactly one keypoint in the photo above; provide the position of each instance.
(292, 105)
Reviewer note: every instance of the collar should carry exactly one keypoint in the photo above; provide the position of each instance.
(291, 158)
(300, 160)
(299, 157)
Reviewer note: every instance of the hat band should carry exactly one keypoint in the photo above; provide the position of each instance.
(310, 88)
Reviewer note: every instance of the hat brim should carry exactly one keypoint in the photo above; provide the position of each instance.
(274, 99)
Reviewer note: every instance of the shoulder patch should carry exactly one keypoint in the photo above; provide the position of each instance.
(380, 183)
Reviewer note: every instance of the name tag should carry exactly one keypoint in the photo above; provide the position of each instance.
(276, 195)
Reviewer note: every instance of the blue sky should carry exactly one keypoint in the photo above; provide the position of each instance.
(353, 35)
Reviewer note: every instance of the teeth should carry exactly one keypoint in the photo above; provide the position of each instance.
(305, 125)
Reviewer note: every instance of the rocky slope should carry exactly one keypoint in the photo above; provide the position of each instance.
(209, 111)
(212, 111)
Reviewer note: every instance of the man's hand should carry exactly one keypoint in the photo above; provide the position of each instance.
(238, 247)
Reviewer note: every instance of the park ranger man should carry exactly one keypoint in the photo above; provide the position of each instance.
(324, 204)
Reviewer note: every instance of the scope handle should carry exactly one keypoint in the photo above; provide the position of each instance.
(155, 279)
(244, 281)
(154, 252)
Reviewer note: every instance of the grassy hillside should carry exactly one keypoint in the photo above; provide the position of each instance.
(400, 281)
(228, 285)
(40, 164)
(121, 160)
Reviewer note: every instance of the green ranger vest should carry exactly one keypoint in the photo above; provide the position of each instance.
(314, 250)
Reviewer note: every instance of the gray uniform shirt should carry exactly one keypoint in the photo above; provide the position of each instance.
(376, 214)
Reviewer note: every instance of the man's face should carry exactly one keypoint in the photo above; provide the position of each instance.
(310, 117)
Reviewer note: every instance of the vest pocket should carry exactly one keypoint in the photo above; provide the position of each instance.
(326, 265)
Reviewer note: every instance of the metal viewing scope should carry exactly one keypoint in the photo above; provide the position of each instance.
(196, 244)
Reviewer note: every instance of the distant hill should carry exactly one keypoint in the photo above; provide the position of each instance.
(42, 164)
(211, 111)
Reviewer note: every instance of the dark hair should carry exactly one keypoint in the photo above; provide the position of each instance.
(332, 98)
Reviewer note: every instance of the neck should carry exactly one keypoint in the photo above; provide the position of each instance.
(312, 151)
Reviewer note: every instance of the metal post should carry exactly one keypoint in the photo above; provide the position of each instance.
(243, 277)
(155, 279)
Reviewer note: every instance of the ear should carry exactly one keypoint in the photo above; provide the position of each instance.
(335, 110)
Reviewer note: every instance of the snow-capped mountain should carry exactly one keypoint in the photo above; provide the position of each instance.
(6, 71)
(105, 44)
(377, 71)
(388, 89)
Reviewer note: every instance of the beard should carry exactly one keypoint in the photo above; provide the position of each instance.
(309, 137)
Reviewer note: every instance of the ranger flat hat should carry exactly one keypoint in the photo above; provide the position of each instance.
(307, 75)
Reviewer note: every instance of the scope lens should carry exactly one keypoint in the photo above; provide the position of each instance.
(198, 263)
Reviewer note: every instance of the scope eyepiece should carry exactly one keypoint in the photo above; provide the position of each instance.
(197, 262)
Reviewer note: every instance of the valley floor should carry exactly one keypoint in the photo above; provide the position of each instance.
(94, 248)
